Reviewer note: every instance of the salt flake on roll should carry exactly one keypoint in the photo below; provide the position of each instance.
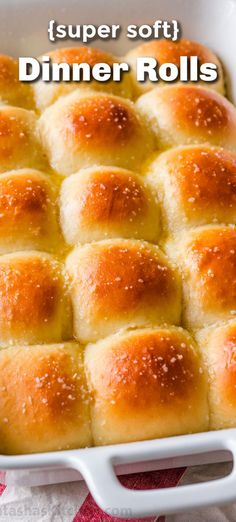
(146, 384)
(105, 202)
(121, 283)
(169, 52)
(187, 115)
(47, 93)
(85, 129)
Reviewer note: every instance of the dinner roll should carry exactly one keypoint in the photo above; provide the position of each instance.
(47, 93)
(184, 115)
(19, 141)
(167, 51)
(12, 91)
(34, 306)
(44, 402)
(121, 283)
(196, 186)
(83, 129)
(218, 346)
(208, 259)
(28, 217)
(146, 384)
(103, 202)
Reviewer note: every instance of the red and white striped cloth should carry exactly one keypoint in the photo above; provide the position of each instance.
(73, 503)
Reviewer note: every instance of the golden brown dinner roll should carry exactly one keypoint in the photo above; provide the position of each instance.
(208, 259)
(19, 141)
(103, 202)
(218, 346)
(34, 305)
(28, 214)
(83, 129)
(167, 51)
(146, 384)
(47, 93)
(121, 283)
(12, 91)
(185, 115)
(44, 402)
(196, 186)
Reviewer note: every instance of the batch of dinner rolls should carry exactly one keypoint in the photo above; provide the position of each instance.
(117, 256)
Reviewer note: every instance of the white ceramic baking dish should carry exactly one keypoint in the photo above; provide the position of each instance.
(23, 30)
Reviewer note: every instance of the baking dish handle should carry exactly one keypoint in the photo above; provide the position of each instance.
(113, 498)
